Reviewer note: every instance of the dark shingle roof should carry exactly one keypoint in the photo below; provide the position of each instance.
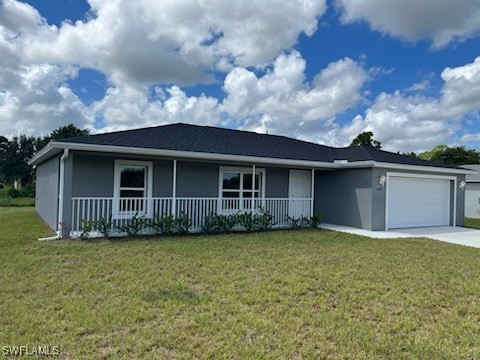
(185, 137)
(473, 177)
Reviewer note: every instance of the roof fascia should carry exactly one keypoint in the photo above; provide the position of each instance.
(191, 155)
(56, 147)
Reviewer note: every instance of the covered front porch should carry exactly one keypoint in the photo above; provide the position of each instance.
(121, 210)
(140, 188)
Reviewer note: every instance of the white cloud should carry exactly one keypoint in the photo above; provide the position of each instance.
(125, 107)
(413, 123)
(136, 44)
(39, 101)
(283, 101)
(179, 42)
(441, 21)
(470, 137)
(422, 85)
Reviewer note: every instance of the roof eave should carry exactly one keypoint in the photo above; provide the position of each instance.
(56, 147)
(184, 154)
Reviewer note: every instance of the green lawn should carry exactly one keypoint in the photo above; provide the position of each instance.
(282, 294)
(472, 223)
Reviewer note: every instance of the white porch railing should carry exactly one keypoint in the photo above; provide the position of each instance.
(197, 209)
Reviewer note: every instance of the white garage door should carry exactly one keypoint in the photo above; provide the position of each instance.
(418, 202)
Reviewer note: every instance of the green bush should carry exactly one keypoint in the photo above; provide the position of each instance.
(304, 221)
(182, 224)
(27, 191)
(164, 224)
(13, 193)
(220, 223)
(103, 226)
(259, 221)
(134, 225)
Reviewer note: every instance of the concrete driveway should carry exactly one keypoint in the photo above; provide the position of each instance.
(449, 234)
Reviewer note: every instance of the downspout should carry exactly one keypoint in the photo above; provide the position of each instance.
(61, 189)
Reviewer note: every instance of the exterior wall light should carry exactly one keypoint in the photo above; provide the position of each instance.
(462, 185)
(382, 180)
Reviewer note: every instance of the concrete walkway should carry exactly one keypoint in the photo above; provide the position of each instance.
(450, 234)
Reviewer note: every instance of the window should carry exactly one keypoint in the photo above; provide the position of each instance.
(132, 187)
(236, 188)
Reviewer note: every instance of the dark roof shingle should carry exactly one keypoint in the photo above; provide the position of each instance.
(185, 137)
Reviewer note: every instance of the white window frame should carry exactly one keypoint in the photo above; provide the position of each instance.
(242, 170)
(119, 164)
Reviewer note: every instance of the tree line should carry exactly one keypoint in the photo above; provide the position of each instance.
(451, 155)
(15, 153)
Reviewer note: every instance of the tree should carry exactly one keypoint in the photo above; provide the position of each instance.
(15, 153)
(366, 139)
(455, 155)
(14, 156)
(63, 132)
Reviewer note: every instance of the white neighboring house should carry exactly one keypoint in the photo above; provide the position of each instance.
(472, 193)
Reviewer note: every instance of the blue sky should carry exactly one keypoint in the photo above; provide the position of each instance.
(318, 70)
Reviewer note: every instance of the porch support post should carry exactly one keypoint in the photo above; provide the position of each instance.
(253, 187)
(312, 192)
(174, 189)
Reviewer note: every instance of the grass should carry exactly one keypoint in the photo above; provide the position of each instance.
(472, 223)
(6, 200)
(282, 294)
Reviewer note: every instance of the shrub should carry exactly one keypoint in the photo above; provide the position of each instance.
(264, 220)
(220, 223)
(164, 224)
(134, 225)
(315, 220)
(304, 221)
(247, 220)
(259, 221)
(103, 226)
(13, 193)
(182, 224)
(27, 191)
(169, 225)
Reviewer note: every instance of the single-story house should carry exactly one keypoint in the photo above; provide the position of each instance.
(199, 170)
(472, 192)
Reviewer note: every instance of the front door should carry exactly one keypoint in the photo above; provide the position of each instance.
(299, 189)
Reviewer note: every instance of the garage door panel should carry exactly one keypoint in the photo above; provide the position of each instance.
(418, 202)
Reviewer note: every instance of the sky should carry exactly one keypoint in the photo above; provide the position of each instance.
(317, 70)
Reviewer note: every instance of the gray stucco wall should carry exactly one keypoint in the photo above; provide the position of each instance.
(93, 175)
(472, 200)
(276, 182)
(46, 198)
(197, 179)
(345, 197)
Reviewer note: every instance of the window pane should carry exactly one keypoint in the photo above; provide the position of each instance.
(131, 193)
(132, 177)
(257, 181)
(228, 194)
(248, 194)
(231, 180)
(247, 181)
